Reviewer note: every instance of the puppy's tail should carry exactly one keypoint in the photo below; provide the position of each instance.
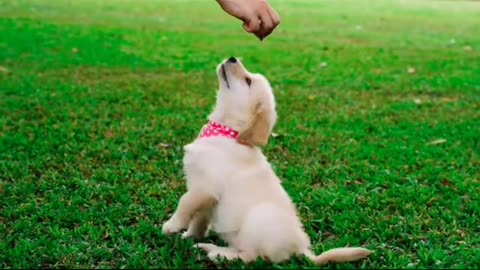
(339, 255)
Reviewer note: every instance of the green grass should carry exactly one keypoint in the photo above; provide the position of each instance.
(100, 97)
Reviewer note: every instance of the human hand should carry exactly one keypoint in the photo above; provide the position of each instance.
(258, 16)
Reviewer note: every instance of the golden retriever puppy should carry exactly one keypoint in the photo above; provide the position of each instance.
(232, 188)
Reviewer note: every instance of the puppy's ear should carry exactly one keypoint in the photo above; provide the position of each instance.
(258, 131)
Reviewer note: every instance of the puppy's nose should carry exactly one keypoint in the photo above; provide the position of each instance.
(232, 59)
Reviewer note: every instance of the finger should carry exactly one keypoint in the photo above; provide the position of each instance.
(266, 27)
(275, 21)
(275, 17)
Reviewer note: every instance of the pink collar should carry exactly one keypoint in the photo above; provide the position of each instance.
(214, 129)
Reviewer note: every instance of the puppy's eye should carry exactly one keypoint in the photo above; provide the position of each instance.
(248, 80)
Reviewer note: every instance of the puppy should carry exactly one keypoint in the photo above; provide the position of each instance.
(232, 188)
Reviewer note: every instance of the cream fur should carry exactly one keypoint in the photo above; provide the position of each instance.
(233, 189)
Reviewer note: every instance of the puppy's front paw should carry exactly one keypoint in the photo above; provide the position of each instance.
(187, 234)
(171, 226)
(194, 234)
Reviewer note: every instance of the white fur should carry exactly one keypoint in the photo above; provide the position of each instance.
(233, 189)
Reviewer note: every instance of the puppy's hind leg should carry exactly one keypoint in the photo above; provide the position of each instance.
(215, 252)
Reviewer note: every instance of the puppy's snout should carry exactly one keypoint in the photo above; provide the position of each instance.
(232, 60)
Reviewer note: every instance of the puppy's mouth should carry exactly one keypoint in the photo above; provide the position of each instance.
(224, 76)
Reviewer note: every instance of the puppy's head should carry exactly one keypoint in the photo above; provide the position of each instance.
(247, 100)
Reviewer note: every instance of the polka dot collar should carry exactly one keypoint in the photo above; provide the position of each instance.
(213, 129)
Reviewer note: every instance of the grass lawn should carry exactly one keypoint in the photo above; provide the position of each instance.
(378, 135)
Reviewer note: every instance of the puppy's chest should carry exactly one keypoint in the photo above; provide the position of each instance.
(212, 161)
